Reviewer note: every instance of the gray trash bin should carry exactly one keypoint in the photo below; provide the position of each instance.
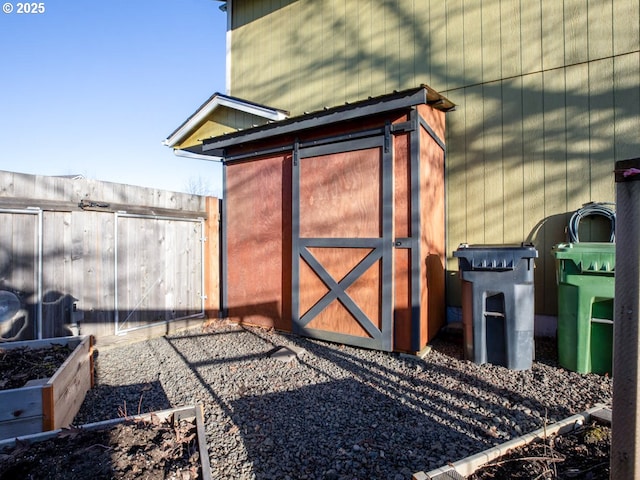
(498, 303)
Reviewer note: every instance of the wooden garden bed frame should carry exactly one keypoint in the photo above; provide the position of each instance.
(52, 403)
(192, 413)
(467, 466)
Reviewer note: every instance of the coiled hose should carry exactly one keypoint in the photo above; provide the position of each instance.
(588, 209)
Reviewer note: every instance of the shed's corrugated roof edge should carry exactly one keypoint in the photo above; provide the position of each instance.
(373, 105)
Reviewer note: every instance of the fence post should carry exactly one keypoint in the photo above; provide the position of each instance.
(212, 258)
(625, 458)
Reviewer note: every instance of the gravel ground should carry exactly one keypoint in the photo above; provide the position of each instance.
(334, 412)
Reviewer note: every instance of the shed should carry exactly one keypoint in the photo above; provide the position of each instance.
(333, 222)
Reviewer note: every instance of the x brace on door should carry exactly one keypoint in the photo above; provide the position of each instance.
(380, 247)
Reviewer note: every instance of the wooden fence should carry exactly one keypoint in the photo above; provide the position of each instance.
(114, 261)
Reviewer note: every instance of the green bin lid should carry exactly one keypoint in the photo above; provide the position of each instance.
(593, 257)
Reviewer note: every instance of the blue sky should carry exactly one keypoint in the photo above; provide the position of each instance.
(93, 87)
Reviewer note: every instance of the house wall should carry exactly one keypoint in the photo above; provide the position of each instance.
(547, 97)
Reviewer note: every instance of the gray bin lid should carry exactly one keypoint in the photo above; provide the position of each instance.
(493, 257)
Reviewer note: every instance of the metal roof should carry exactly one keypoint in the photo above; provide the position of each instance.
(350, 111)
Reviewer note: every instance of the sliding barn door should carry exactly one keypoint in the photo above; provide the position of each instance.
(342, 241)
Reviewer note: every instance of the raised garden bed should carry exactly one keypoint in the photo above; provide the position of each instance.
(507, 452)
(165, 444)
(44, 404)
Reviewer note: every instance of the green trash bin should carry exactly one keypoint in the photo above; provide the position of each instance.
(586, 285)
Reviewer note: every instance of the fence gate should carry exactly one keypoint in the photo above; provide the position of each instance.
(21, 269)
(159, 270)
(342, 242)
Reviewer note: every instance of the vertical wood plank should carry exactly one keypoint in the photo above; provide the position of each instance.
(436, 39)
(531, 37)
(534, 174)
(600, 29)
(317, 52)
(257, 220)
(460, 160)
(279, 24)
(212, 258)
(377, 49)
(552, 35)
(406, 73)
(76, 264)
(491, 56)
(510, 48)
(402, 312)
(457, 182)
(391, 52)
(454, 44)
(577, 118)
(514, 178)
(167, 295)
(327, 49)
(104, 259)
(363, 34)
(6, 250)
(493, 158)
(626, 26)
(474, 166)
(296, 27)
(24, 263)
(53, 274)
(472, 44)
(263, 62)
(555, 178)
(340, 55)
(422, 44)
(601, 129)
(352, 56)
(126, 268)
(48, 409)
(402, 265)
(432, 238)
(576, 45)
(626, 95)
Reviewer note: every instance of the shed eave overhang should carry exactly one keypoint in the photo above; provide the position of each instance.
(219, 100)
(372, 106)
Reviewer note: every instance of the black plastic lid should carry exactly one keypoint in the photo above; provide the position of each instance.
(493, 257)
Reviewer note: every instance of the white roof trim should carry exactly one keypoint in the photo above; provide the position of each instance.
(214, 102)
(197, 156)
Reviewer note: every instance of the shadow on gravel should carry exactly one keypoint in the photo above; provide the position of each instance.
(384, 377)
(411, 412)
(119, 401)
(449, 342)
(331, 429)
(362, 414)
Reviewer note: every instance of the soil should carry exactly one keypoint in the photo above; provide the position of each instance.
(19, 365)
(582, 454)
(130, 450)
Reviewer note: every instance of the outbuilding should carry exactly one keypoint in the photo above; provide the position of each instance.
(333, 222)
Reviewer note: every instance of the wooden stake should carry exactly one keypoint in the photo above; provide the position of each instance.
(625, 456)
